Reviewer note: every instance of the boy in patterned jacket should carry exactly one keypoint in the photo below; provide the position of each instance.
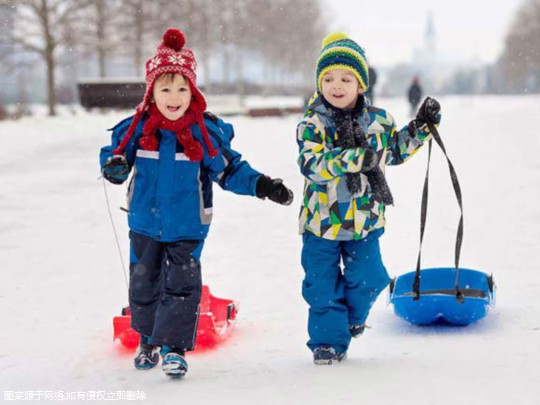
(175, 150)
(345, 144)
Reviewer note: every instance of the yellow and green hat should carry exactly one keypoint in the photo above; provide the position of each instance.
(338, 51)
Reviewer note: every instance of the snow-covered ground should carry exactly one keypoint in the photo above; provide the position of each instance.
(62, 279)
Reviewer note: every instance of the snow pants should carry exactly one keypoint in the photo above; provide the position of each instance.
(165, 289)
(339, 297)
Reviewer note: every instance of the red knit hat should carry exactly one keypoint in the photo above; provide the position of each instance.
(171, 57)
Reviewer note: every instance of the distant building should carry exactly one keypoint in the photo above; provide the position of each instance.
(426, 62)
(433, 68)
(426, 52)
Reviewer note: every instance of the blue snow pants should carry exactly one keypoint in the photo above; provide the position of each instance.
(340, 297)
(165, 287)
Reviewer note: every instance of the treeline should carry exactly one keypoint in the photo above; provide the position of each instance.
(237, 42)
(519, 65)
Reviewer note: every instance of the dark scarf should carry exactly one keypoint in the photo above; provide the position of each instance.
(350, 134)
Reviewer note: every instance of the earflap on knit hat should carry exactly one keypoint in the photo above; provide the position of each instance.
(338, 51)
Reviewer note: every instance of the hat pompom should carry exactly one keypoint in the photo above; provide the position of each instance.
(174, 39)
(149, 142)
(333, 37)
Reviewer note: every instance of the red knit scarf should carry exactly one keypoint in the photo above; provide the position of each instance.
(181, 127)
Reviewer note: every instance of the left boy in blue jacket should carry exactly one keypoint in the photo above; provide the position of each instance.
(175, 150)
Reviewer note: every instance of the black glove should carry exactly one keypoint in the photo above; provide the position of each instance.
(275, 190)
(428, 113)
(371, 159)
(116, 169)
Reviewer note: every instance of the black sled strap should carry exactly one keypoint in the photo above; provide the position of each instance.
(423, 215)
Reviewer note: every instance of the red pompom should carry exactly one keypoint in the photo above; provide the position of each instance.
(194, 151)
(149, 142)
(174, 39)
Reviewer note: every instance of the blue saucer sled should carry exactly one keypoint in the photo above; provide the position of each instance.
(444, 295)
(436, 304)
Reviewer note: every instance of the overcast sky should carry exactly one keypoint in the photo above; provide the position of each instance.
(389, 30)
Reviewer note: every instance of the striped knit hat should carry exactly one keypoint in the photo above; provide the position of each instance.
(338, 51)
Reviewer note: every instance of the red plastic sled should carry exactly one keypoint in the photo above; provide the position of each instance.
(216, 320)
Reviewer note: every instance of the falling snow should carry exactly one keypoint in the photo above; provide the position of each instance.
(62, 279)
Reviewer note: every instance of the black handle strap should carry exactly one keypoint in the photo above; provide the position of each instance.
(423, 215)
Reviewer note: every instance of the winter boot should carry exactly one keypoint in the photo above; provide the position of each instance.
(357, 330)
(174, 362)
(147, 355)
(326, 355)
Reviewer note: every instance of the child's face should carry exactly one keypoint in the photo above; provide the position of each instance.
(172, 96)
(340, 88)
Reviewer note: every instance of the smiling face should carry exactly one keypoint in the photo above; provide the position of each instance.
(172, 95)
(340, 88)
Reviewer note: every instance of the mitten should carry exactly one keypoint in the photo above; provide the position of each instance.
(371, 160)
(275, 190)
(116, 169)
(428, 113)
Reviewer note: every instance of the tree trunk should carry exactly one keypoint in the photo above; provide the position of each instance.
(139, 27)
(206, 68)
(206, 14)
(51, 93)
(101, 39)
(48, 54)
(240, 85)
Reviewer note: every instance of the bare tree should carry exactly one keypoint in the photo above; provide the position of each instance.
(235, 32)
(239, 34)
(520, 62)
(101, 26)
(39, 29)
(138, 22)
(7, 16)
(205, 37)
(288, 40)
(303, 47)
(197, 19)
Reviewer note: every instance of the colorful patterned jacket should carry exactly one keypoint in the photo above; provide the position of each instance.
(328, 208)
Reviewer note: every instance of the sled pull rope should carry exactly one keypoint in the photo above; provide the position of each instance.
(423, 215)
(115, 233)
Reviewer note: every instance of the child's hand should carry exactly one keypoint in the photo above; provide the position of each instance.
(275, 190)
(428, 113)
(116, 169)
(371, 159)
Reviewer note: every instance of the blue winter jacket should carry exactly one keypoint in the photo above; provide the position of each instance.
(169, 196)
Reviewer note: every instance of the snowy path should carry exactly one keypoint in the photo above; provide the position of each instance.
(62, 281)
